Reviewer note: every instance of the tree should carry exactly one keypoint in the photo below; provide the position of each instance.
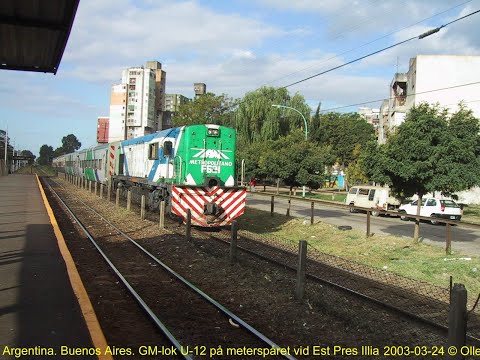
(354, 173)
(205, 109)
(30, 155)
(343, 132)
(255, 156)
(428, 153)
(46, 155)
(459, 162)
(70, 144)
(256, 119)
(296, 161)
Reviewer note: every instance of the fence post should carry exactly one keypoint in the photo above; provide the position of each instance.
(457, 319)
(117, 198)
(101, 191)
(448, 248)
(129, 199)
(188, 230)
(142, 207)
(368, 223)
(89, 186)
(162, 214)
(302, 262)
(312, 206)
(233, 241)
(272, 205)
(96, 186)
(109, 191)
(288, 207)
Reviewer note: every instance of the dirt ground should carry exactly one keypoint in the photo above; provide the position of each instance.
(259, 292)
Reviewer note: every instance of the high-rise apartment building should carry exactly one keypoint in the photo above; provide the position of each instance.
(173, 101)
(136, 105)
(200, 89)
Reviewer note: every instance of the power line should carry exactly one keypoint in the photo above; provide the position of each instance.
(421, 36)
(408, 95)
(371, 42)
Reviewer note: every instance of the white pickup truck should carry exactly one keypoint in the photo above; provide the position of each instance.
(434, 208)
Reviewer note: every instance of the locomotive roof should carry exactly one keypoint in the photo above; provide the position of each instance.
(172, 132)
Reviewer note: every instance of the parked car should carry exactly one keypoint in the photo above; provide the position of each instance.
(372, 197)
(433, 208)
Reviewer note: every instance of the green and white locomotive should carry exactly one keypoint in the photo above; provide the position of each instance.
(189, 167)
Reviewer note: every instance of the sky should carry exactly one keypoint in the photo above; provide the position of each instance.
(232, 46)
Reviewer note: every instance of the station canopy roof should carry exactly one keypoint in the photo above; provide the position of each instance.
(34, 33)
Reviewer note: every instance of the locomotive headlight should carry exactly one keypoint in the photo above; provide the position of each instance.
(213, 132)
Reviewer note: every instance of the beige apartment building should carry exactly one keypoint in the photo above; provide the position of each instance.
(136, 104)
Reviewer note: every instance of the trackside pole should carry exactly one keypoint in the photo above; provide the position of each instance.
(117, 198)
(233, 241)
(302, 262)
(272, 205)
(448, 247)
(457, 320)
(129, 199)
(188, 229)
(312, 208)
(142, 207)
(368, 223)
(162, 215)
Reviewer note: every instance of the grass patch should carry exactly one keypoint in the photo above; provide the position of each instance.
(396, 254)
(332, 197)
(471, 214)
(37, 169)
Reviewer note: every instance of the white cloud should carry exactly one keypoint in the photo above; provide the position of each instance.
(107, 34)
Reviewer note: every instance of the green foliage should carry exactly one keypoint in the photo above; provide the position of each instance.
(459, 162)
(70, 144)
(256, 120)
(429, 152)
(344, 133)
(46, 155)
(205, 109)
(354, 174)
(296, 161)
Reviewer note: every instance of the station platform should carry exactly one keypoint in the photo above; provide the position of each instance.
(39, 309)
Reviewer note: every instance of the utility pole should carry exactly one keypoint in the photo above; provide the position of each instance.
(6, 147)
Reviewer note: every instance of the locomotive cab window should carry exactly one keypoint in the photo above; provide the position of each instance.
(167, 148)
(153, 151)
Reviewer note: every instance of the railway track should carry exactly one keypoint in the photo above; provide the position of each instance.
(392, 296)
(194, 325)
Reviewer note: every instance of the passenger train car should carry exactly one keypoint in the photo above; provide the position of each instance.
(190, 167)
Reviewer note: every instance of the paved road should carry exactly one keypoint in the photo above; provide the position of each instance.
(464, 240)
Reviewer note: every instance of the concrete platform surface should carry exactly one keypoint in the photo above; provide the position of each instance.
(38, 307)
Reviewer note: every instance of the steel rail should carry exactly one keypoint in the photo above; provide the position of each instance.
(137, 297)
(212, 301)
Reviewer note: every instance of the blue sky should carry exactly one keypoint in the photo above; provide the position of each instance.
(232, 46)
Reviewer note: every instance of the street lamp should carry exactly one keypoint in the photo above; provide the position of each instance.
(306, 129)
